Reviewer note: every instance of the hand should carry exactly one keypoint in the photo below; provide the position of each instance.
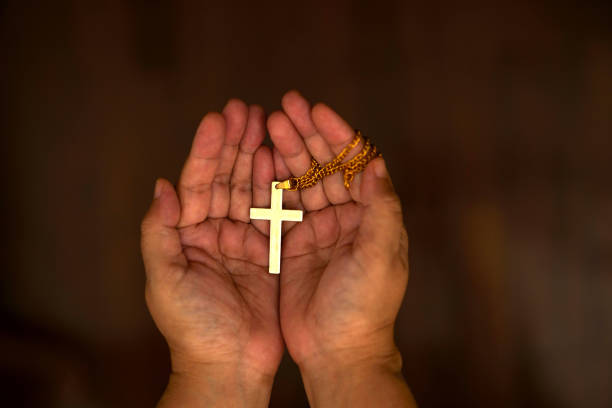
(345, 267)
(208, 287)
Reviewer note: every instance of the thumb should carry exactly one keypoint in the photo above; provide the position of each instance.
(160, 243)
(381, 233)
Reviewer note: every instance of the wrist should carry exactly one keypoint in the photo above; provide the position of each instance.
(377, 347)
(234, 384)
(356, 378)
(351, 362)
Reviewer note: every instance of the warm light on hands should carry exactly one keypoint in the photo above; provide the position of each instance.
(344, 269)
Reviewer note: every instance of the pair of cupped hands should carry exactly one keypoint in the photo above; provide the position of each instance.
(344, 269)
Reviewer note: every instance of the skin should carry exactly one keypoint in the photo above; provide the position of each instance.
(343, 273)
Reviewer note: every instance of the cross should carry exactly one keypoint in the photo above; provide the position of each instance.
(276, 215)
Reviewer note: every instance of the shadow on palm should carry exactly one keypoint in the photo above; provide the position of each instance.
(226, 294)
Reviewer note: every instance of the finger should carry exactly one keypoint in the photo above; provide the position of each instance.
(291, 199)
(381, 234)
(160, 243)
(235, 114)
(298, 110)
(338, 135)
(241, 183)
(194, 185)
(292, 149)
(263, 173)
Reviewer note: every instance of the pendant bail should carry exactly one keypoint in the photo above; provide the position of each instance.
(289, 184)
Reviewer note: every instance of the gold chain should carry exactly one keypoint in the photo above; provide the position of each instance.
(316, 172)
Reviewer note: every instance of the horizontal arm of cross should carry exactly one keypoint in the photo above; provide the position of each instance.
(275, 214)
(291, 215)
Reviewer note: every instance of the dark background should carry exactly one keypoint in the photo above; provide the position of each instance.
(496, 122)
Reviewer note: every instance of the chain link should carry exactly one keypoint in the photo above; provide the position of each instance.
(316, 172)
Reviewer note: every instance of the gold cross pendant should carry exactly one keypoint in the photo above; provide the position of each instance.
(276, 215)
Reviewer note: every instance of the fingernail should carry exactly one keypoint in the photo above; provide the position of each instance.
(380, 169)
(158, 189)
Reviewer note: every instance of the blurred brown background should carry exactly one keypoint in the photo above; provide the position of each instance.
(495, 119)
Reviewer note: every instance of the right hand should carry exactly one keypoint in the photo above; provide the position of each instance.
(208, 288)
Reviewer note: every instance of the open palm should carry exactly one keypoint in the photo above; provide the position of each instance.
(208, 289)
(344, 268)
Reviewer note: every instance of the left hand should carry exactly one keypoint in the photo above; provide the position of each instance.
(344, 268)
